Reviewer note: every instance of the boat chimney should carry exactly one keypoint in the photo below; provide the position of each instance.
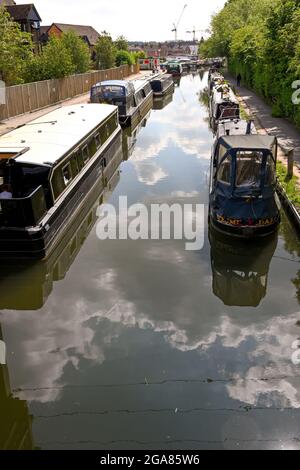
(249, 125)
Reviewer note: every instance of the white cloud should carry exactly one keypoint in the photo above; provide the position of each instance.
(135, 20)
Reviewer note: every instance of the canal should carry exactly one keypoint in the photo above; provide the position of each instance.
(142, 344)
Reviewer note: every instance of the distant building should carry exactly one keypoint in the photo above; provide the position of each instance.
(166, 49)
(28, 18)
(87, 33)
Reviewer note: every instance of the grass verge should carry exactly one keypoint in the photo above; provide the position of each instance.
(290, 186)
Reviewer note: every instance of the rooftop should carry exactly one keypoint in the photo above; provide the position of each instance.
(81, 30)
(23, 12)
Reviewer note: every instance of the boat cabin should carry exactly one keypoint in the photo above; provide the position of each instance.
(224, 104)
(162, 84)
(243, 198)
(228, 127)
(127, 95)
(174, 68)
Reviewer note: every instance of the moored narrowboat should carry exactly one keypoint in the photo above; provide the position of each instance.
(162, 85)
(235, 127)
(51, 165)
(133, 98)
(175, 69)
(223, 105)
(243, 199)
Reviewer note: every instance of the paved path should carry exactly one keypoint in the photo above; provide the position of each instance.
(287, 133)
(13, 123)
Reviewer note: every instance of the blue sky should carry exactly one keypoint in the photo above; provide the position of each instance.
(136, 19)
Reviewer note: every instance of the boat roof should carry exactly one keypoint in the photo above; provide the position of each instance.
(223, 97)
(235, 127)
(122, 83)
(253, 141)
(47, 139)
(139, 83)
(161, 77)
(127, 84)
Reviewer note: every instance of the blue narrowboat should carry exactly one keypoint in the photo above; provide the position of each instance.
(133, 98)
(243, 199)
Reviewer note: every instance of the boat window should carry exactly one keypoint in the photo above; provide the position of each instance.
(112, 91)
(222, 152)
(229, 111)
(114, 122)
(58, 184)
(270, 172)
(138, 98)
(96, 90)
(98, 141)
(80, 159)
(248, 168)
(74, 165)
(67, 173)
(92, 147)
(107, 130)
(103, 134)
(224, 173)
(85, 154)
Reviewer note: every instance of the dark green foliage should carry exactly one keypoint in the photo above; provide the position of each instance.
(261, 39)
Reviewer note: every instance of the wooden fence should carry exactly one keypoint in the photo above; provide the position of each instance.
(21, 99)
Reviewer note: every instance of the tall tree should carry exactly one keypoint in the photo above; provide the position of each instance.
(105, 52)
(55, 61)
(121, 44)
(15, 49)
(79, 51)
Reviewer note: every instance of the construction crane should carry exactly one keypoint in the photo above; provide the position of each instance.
(175, 29)
(194, 31)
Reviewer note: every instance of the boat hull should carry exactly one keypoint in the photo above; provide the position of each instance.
(165, 92)
(245, 231)
(137, 113)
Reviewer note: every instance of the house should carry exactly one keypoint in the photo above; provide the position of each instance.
(87, 33)
(28, 18)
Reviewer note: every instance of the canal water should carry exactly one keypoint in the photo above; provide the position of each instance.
(142, 344)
